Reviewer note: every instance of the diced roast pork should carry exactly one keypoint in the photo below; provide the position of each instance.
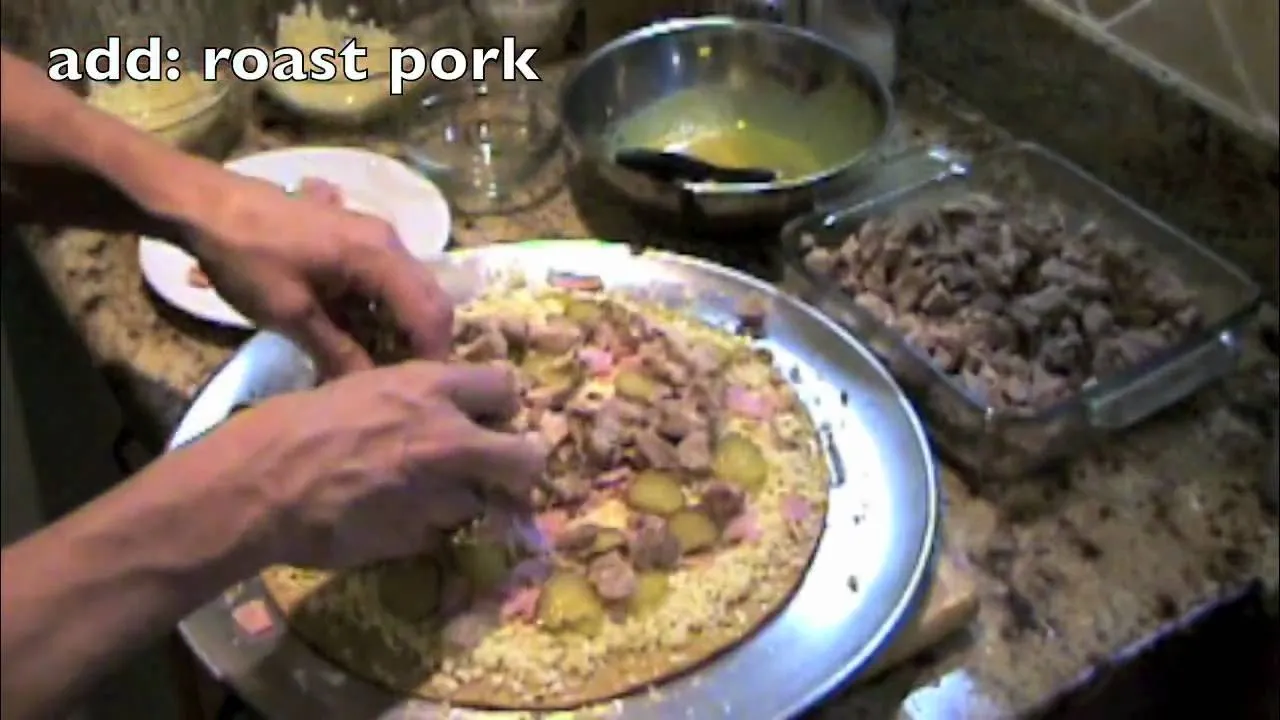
(653, 546)
(656, 451)
(723, 502)
(613, 577)
(597, 442)
(1008, 298)
(677, 418)
(578, 539)
(481, 342)
(693, 453)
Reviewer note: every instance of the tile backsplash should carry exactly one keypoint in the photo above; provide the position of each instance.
(1225, 53)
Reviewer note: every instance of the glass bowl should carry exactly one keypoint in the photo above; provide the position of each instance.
(485, 144)
(378, 27)
(192, 114)
(186, 111)
(534, 23)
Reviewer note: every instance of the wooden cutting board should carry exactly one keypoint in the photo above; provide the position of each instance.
(951, 604)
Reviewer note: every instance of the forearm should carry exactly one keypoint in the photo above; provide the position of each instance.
(70, 164)
(91, 588)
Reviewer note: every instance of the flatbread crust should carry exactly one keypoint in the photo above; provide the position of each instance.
(714, 604)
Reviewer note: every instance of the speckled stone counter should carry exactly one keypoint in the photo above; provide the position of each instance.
(1071, 566)
(1038, 77)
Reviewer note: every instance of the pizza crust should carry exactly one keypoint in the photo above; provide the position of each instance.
(363, 652)
(408, 659)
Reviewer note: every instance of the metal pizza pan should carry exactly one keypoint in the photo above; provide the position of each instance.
(866, 579)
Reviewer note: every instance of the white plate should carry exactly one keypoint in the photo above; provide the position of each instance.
(370, 183)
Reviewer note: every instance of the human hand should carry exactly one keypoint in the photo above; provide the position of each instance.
(285, 261)
(379, 464)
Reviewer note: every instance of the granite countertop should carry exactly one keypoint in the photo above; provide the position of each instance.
(1071, 566)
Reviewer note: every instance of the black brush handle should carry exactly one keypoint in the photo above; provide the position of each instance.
(673, 167)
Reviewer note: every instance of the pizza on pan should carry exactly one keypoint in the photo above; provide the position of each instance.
(685, 496)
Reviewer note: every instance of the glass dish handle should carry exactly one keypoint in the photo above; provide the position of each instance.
(895, 174)
(1166, 385)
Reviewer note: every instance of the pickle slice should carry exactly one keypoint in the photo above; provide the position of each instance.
(584, 312)
(651, 591)
(740, 461)
(409, 589)
(569, 603)
(553, 371)
(655, 492)
(636, 386)
(484, 564)
(608, 539)
(694, 531)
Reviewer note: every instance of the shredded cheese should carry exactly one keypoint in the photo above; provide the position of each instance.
(180, 111)
(306, 28)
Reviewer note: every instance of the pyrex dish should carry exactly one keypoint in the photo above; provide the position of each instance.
(983, 438)
(762, 92)
(881, 522)
(485, 144)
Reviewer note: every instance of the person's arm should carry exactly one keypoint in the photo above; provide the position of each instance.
(79, 595)
(69, 164)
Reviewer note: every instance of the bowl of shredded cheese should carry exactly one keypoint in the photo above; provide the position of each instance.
(179, 106)
(187, 112)
(535, 23)
(375, 27)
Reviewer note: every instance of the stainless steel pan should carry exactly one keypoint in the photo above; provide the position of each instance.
(682, 78)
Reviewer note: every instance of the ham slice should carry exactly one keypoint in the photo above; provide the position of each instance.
(254, 618)
(796, 509)
(745, 528)
(598, 362)
(747, 403)
(552, 524)
(197, 279)
(320, 190)
(521, 605)
(631, 362)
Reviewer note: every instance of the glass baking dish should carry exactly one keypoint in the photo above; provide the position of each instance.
(968, 431)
